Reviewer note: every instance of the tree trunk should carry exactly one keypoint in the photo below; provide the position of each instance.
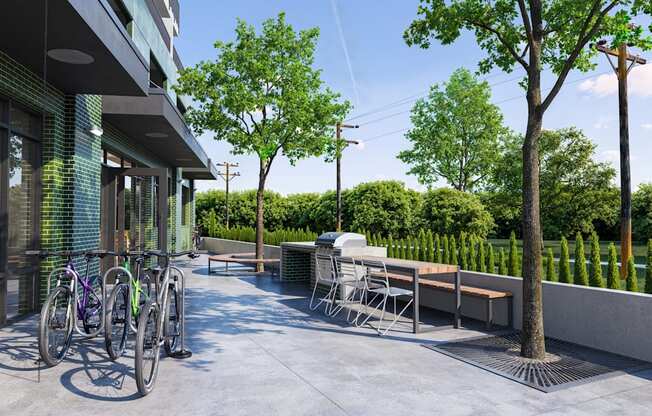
(260, 225)
(532, 341)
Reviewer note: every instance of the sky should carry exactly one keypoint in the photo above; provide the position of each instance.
(364, 57)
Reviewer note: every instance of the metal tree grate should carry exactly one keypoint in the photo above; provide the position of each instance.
(566, 364)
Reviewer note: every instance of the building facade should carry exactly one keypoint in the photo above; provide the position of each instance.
(94, 150)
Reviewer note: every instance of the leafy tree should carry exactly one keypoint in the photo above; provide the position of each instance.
(596, 262)
(535, 35)
(551, 274)
(446, 255)
(382, 207)
(580, 277)
(491, 260)
(502, 263)
(648, 268)
(482, 260)
(454, 254)
(632, 279)
(438, 250)
(455, 133)
(447, 210)
(513, 260)
(564, 263)
(577, 193)
(642, 212)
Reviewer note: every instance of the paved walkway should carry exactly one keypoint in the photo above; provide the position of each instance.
(257, 351)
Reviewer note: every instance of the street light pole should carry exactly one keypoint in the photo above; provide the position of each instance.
(625, 64)
(340, 144)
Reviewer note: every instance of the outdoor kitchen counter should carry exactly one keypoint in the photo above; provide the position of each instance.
(415, 269)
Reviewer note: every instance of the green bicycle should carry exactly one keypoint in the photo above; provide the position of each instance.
(129, 294)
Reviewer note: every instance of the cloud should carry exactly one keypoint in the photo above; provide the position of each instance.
(647, 126)
(603, 123)
(612, 156)
(640, 83)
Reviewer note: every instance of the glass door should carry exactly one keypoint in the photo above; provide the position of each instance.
(19, 214)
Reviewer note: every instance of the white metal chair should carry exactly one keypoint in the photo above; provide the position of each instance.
(349, 282)
(377, 281)
(324, 274)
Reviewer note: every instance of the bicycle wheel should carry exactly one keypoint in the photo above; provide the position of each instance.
(147, 348)
(116, 327)
(55, 326)
(172, 321)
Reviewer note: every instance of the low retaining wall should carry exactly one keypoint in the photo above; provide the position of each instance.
(609, 320)
(222, 246)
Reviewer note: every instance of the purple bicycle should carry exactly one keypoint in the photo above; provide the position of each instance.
(72, 300)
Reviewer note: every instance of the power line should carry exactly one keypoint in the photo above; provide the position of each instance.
(516, 97)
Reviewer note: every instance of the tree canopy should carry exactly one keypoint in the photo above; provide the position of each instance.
(449, 211)
(455, 133)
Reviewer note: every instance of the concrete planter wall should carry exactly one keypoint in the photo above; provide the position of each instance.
(609, 320)
(222, 246)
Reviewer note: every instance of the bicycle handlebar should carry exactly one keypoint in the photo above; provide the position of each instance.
(162, 254)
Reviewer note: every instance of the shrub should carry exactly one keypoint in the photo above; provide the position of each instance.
(430, 247)
(648, 268)
(564, 263)
(438, 254)
(632, 279)
(551, 274)
(448, 210)
(502, 263)
(472, 261)
(580, 277)
(453, 249)
(613, 274)
(491, 261)
(463, 256)
(513, 263)
(596, 263)
(446, 254)
(482, 261)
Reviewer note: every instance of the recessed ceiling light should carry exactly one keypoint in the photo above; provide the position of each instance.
(71, 56)
(156, 135)
(96, 131)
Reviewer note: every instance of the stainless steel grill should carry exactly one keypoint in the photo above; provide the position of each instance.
(341, 240)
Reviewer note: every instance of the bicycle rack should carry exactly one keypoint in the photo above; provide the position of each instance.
(129, 276)
(183, 353)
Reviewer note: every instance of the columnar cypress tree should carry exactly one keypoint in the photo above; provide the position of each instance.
(402, 250)
(613, 274)
(390, 247)
(410, 248)
(580, 277)
(632, 279)
(417, 249)
(595, 279)
(438, 256)
(648, 268)
(446, 254)
(502, 263)
(367, 235)
(482, 260)
(430, 247)
(463, 256)
(453, 249)
(564, 263)
(513, 268)
(551, 274)
(423, 246)
(491, 261)
(472, 261)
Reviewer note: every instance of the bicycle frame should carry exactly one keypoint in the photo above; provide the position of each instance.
(87, 291)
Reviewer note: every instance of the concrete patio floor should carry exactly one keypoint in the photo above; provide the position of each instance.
(258, 351)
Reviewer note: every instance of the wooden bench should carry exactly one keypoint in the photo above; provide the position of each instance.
(242, 258)
(486, 294)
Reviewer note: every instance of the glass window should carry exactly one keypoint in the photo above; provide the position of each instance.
(24, 122)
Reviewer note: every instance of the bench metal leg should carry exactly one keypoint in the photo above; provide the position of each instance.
(209, 266)
(490, 313)
(510, 313)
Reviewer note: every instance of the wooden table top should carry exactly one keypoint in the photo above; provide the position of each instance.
(421, 267)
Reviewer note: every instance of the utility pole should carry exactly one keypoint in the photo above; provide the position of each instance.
(228, 176)
(625, 64)
(340, 144)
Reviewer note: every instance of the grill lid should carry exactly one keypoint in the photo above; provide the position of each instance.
(337, 240)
